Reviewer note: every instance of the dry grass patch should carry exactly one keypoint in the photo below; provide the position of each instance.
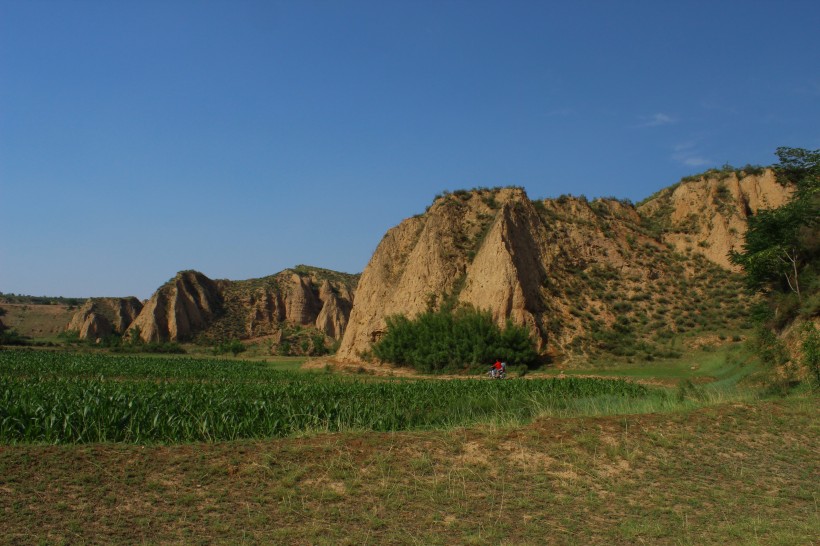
(724, 474)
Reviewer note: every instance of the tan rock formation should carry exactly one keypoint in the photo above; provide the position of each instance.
(179, 309)
(508, 271)
(100, 317)
(419, 263)
(480, 248)
(332, 319)
(301, 304)
(708, 215)
(577, 273)
(191, 304)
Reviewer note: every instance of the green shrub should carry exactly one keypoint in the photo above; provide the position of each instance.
(811, 352)
(168, 347)
(10, 337)
(233, 346)
(453, 339)
(70, 337)
(771, 349)
(622, 307)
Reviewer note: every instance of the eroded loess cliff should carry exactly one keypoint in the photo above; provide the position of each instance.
(193, 306)
(182, 307)
(707, 215)
(100, 317)
(585, 277)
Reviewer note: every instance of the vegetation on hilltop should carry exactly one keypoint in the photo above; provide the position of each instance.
(725, 171)
(722, 173)
(487, 195)
(323, 274)
(21, 299)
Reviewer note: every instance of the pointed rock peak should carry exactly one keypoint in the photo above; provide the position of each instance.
(180, 308)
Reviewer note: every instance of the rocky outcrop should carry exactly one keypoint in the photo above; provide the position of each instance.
(509, 269)
(578, 274)
(707, 215)
(483, 248)
(100, 317)
(302, 306)
(336, 305)
(182, 307)
(305, 296)
(192, 305)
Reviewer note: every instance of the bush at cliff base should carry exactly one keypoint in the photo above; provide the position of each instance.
(454, 340)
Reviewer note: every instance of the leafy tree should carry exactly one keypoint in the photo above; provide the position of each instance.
(781, 256)
(782, 243)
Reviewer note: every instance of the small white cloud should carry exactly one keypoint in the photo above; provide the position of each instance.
(658, 119)
(687, 154)
(695, 161)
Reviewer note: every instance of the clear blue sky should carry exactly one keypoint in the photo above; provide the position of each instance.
(238, 138)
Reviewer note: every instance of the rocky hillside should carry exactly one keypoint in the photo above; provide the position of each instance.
(100, 317)
(707, 213)
(585, 277)
(40, 321)
(192, 306)
(181, 308)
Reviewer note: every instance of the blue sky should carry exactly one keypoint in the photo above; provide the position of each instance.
(239, 138)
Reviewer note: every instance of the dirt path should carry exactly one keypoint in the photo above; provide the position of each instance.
(387, 370)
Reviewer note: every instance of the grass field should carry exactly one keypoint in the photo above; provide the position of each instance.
(737, 474)
(712, 465)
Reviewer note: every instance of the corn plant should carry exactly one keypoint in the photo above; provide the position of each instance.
(53, 398)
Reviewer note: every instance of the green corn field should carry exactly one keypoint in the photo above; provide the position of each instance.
(49, 397)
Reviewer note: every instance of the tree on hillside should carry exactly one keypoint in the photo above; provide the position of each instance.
(782, 244)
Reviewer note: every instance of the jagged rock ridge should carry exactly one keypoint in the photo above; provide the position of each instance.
(577, 273)
(180, 308)
(708, 214)
(193, 306)
(100, 317)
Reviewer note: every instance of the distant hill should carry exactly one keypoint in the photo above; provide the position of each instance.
(192, 307)
(586, 277)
